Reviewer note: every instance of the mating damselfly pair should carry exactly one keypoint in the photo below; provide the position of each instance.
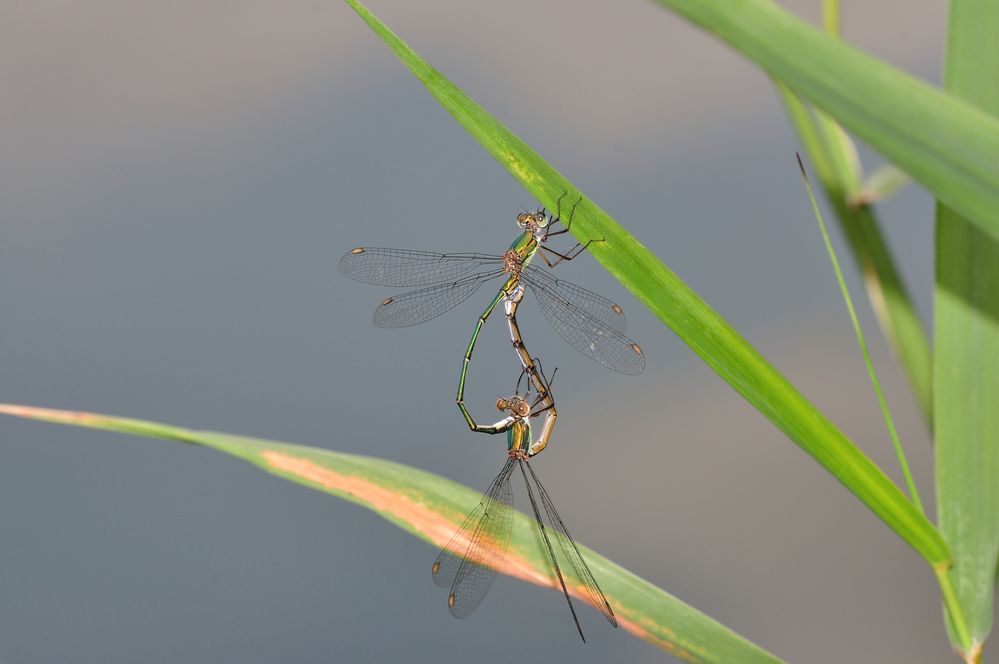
(590, 323)
(470, 561)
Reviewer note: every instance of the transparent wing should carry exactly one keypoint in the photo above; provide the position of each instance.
(469, 562)
(598, 306)
(419, 306)
(552, 558)
(406, 267)
(572, 554)
(590, 336)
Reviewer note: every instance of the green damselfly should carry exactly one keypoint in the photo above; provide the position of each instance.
(469, 563)
(590, 323)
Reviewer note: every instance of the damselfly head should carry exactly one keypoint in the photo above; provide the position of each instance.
(515, 405)
(519, 407)
(532, 221)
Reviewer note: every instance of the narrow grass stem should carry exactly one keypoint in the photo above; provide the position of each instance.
(888, 296)
(955, 613)
(831, 17)
(889, 422)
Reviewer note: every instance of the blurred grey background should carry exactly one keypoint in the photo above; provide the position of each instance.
(177, 182)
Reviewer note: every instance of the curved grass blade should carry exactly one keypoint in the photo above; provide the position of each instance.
(942, 141)
(966, 375)
(679, 307)
(431, 507)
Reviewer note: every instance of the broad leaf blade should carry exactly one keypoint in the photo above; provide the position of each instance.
(966, 384)
(943, 142)
(431, 508)
(668, 297)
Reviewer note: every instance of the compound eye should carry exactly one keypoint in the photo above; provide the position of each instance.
(522, 218)
(502, 404)
(521, 408)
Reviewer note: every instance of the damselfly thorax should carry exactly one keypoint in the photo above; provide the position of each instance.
(512, 262)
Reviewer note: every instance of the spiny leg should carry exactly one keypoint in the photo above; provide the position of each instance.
(568, 256)
(558, 216)
(547, 395)
(542, 410)
(524, 372)
(527, 394)
(558, 208)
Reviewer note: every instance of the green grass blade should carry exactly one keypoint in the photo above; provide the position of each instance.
(943, 142)
(697, 324)
(953, 607)
(431, 508)
(838, 166)
(882, 403)
(889, 297)
(967, 347)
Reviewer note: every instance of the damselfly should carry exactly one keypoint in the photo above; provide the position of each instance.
(590, 323)
(469, 563)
